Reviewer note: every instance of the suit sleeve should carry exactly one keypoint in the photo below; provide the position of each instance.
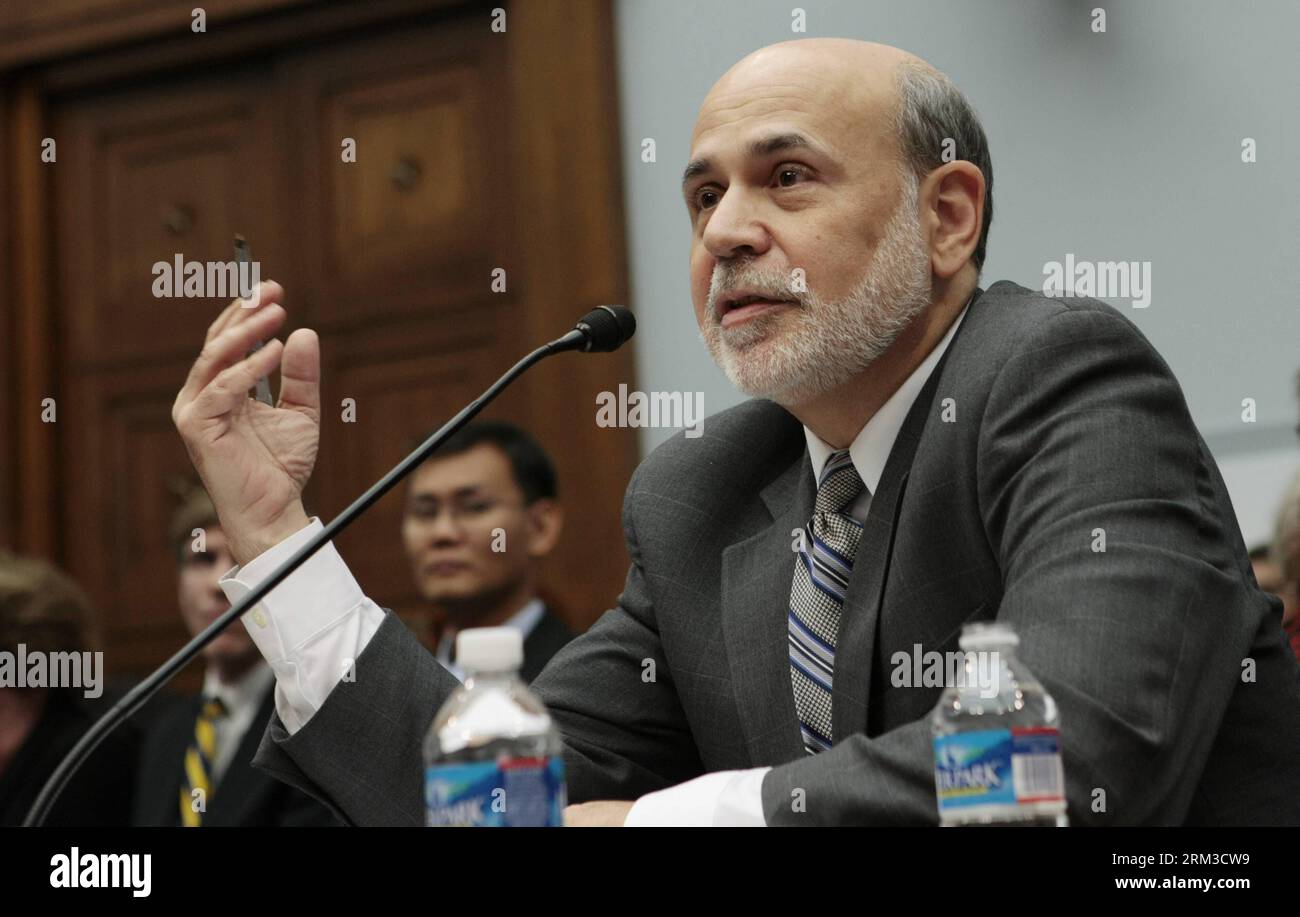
(613, 697)
(1085, 443)
(361, 752)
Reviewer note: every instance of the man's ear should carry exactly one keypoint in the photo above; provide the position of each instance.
(545, 522)
(955, 192)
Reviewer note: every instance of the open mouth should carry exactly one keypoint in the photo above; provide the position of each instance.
(738, 309)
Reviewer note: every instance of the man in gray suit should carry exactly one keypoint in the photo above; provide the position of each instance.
(962, 449)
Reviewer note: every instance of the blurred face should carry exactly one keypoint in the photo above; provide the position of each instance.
(472, 542)
(807, 253)
(1290, 594)
(201, 599)
(1290, 591)
(1268, 574)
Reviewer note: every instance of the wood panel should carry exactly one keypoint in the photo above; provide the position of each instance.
(415, 223)
(159, 173)
(8, 373)
(33, 346)
(121, 453)
(469, 142)
(30, 31)
(568, 230)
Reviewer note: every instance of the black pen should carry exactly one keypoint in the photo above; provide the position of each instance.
(243, 263)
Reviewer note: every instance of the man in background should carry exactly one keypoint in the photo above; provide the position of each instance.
(1285, 559)
(1266, 569)
(196, 766)
(46, 613)
(481, 516)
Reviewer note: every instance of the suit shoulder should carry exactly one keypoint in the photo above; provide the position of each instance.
(1023, 316)
(730, 448)
(739, 430)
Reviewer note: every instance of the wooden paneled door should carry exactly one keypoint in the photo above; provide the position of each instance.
(479, 155)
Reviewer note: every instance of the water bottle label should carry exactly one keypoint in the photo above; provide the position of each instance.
(998, 768)
(505, 793)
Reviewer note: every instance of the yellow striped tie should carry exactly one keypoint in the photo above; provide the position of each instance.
(198, 763)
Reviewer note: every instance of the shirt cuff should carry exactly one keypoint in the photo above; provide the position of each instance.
(723, 799)
(310, 628)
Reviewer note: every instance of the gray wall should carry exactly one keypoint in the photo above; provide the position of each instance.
(1117, 146)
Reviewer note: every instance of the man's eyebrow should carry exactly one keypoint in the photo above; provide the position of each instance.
(763, 146)
(693, 168)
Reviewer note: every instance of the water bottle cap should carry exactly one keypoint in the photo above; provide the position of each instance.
(988, 635)
(490, 649)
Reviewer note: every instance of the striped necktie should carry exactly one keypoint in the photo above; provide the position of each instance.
(821, 577)
(198, 762)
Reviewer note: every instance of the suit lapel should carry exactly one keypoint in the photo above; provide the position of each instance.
(242, 789)
(856, 645)
(756, 578)
(165, 771)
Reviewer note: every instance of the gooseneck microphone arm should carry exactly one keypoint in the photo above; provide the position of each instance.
(603, 329)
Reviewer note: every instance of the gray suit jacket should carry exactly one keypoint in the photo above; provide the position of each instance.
(1179, 700)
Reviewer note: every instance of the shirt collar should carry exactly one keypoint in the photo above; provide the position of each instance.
(524, 620)
(245, 692)
(871, 447)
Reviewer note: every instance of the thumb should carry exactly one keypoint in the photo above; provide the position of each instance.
(300, 373)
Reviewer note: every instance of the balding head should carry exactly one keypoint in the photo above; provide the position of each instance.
(805, 189)
(836, 75)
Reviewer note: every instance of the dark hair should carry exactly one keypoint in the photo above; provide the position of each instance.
(931, 109)
(529, 462)
(42, 608)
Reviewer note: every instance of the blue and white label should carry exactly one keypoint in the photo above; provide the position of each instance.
(998, 768)
(506, 793)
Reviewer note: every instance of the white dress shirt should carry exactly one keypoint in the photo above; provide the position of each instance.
(242, 698)
(315, 624)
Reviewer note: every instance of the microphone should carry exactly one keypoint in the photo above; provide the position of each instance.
(601, 330)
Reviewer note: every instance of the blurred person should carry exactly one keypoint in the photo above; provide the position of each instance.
(196, 765)
(1267, 572)
(481, 515)
(1285, 557)
(42, 611)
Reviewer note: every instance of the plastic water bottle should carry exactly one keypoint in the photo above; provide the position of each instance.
(997, 748)
(492, 755)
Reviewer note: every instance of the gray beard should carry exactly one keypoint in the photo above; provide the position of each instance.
(822, 344)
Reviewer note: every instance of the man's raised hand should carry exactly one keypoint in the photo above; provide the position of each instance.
(254, 459)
